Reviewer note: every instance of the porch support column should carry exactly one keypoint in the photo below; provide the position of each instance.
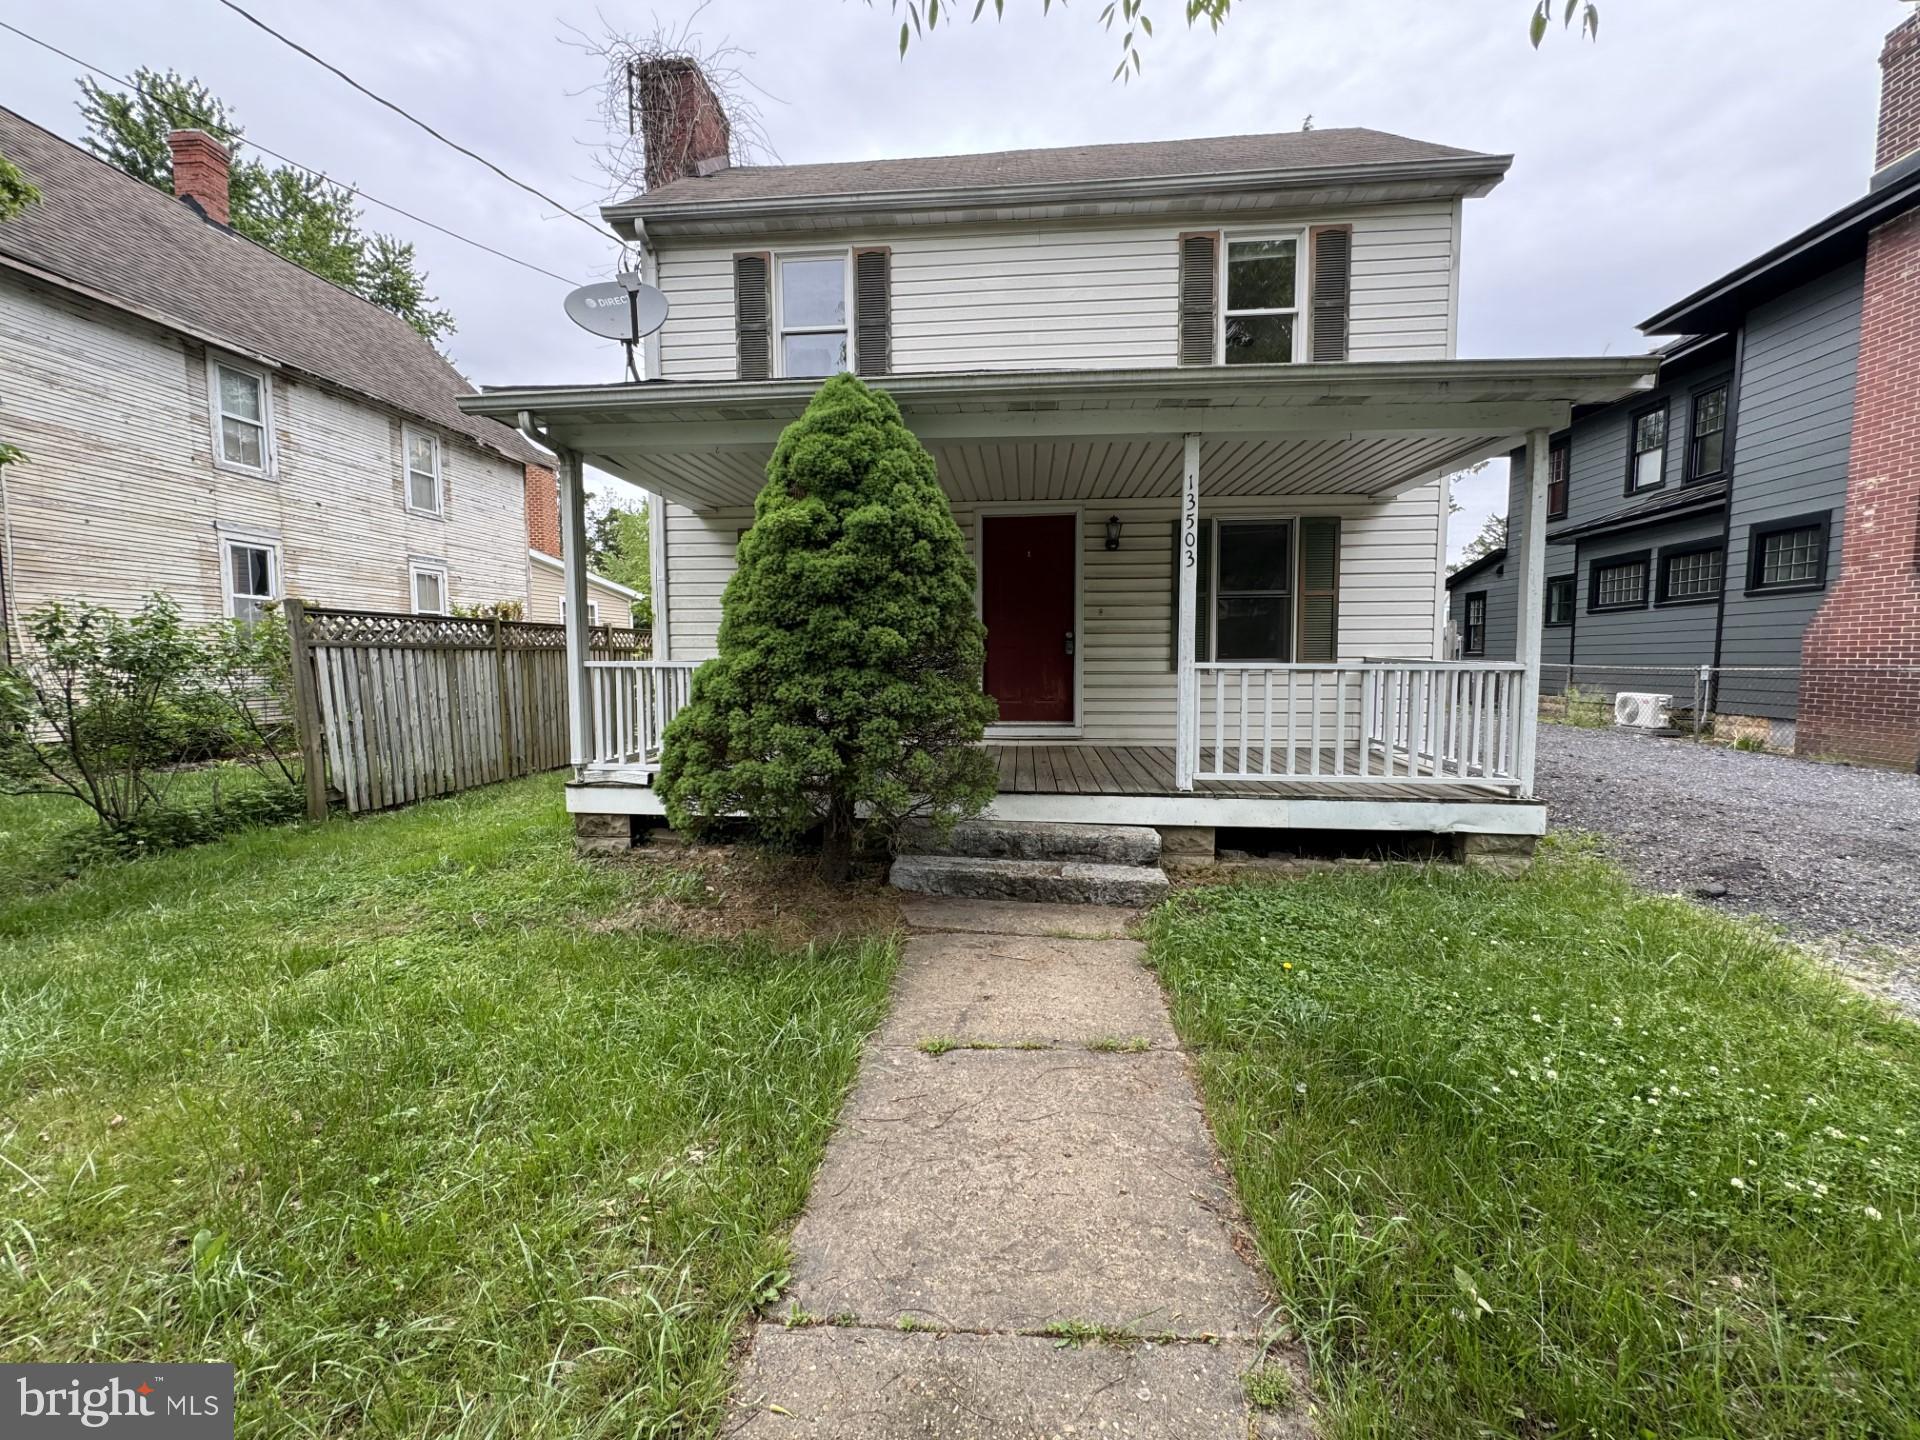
(1187, 690)
(573, 556)
(1532, 583)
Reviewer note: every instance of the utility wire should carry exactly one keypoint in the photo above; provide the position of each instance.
(285, 160)
(409, 116)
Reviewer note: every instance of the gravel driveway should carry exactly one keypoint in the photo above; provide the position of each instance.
(1829, 851)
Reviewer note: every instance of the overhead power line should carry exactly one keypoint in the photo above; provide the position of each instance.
(287, 160)
(411, 118)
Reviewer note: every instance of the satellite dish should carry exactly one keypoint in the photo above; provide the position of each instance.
(622, 309)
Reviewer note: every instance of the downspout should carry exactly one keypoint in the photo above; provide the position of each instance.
(1726, 515)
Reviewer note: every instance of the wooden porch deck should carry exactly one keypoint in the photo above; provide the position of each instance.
(1077, 768)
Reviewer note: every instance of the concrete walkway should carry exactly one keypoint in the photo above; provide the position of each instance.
(1028, 1233)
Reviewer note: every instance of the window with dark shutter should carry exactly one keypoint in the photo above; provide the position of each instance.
(872, 311)
(1199, 299)
(752, 315)
(1319, 590)
(1332, 262)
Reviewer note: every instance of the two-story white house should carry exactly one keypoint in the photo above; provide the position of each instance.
(1191, 402)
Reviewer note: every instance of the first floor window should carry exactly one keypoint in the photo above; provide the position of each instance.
(1619, 583)
(1473, 631)
(423, 470)
(1647, 464)
(1559, 471)
(1261, 306)
(429, 589)
(240, 418)
(1690, 575)
(252, 579)
(1788, 554)
(813, 315)
(1253, 590)
(1707, 447)
(1560, 600)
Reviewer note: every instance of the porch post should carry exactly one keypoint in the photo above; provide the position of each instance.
(1187, 694)
(1532, 583)
(573, 555)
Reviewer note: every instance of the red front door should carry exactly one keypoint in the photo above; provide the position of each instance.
(1026, 590)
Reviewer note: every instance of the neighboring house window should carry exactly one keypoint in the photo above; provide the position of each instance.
(1560, 600)
(1261, 301)
(1473, 634)
(593, 611)
(242, 407)
(1253, 590)
(253, 578)
(429, 588)
(1707, 445)
(1647, 457)
(1559, 469)
(812, 308)
(1619, 582)
(1788, 554)
(423, 470)
(1691, 575)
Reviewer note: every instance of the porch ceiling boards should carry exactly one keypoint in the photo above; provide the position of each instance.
(1368, 428)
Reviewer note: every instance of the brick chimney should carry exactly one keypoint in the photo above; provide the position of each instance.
(543, 510)
(200, 168)
(682, 121)
(1860, 676)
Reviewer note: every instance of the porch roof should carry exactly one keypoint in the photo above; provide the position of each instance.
(1367, 427)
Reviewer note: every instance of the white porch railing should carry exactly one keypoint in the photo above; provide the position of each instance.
(1392, 722)
(632, 702)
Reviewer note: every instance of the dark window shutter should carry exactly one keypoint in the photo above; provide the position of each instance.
(1332, 291)
(1202, 607)
(1199, 297)
(753, 315)
(1319, 642)
(872, 311)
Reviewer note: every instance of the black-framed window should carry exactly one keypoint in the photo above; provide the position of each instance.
(1691, 574)
(1560, 590)
(1253, 590)
(1619, 582)
(1707, 434)
(1473, 630)
(1788, 554)
(1647, 449)
(1559, 475)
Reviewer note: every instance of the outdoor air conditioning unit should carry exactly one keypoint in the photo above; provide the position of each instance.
(1641, 712)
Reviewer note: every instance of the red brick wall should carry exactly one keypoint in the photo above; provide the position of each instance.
(1856, 702)
(1899, 95)
(200, 171)
(543, 511)
(682, 121)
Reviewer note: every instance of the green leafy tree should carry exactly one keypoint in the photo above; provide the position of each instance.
(298, 216)
(847, 688)
(618, 548)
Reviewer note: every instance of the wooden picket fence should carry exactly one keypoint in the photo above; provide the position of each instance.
(394, 708)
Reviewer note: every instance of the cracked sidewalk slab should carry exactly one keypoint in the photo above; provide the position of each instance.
(1008, 1190)
(1016, 917)
(828, 1383)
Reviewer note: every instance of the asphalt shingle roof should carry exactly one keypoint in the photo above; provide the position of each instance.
(1064, 165)
(132, 245)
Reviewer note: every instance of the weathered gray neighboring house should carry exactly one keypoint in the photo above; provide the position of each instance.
(1703, 524)
(204, 418)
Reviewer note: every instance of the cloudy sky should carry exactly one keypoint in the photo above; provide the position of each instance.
(1687, 139)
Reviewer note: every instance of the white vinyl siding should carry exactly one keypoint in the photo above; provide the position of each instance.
(1104, 296)
(1389, 571)
(547, 593)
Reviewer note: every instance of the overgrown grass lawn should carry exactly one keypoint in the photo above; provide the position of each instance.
(1551, 1158)
(383, 1113)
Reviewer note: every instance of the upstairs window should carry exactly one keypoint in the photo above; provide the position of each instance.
(423, 470)
(242, 419)
(1707, 446)
(1788, 554)
(1261, 300)
(429, 585)
(1560, 600)
(253, 579)
(1559, 473)
(1473, 633)
(812, 309)
(1647, 457)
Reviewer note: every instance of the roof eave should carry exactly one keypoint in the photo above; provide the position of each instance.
(1700, 505)
(1470, 571)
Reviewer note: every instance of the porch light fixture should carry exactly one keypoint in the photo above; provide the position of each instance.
(1113, 532)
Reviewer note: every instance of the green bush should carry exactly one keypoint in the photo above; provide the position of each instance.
(847, 689)
(176, 825)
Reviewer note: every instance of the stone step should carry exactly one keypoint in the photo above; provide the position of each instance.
(1070, 882)
(1039, 840)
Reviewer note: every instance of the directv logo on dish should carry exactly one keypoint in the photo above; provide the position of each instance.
(159, 1402)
